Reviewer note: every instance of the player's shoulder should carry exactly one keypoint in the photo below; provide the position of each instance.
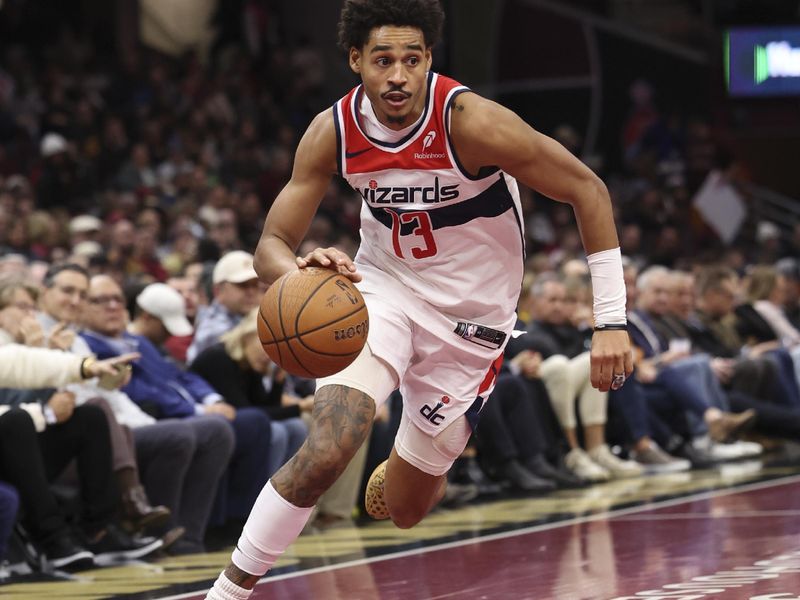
(318, 145)
(322, 126)
(474, 117)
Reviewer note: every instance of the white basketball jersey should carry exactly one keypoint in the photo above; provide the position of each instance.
(456, 241)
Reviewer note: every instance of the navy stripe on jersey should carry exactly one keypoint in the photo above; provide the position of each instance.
(484, 171)
(338, 127)
(518, 217)
(356, 105)
(492, 202)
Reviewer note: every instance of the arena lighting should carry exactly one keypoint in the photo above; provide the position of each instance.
(763, 61)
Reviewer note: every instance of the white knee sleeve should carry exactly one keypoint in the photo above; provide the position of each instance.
(430, 455)
(367, 373)
(273, 524)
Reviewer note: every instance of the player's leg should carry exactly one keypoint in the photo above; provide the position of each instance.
(416, 473)
(443, 389)
(340, 421)
(343, 413)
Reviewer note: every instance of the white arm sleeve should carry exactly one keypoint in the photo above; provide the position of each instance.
(608, 287)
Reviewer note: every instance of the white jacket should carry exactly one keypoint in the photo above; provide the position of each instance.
(26, 367)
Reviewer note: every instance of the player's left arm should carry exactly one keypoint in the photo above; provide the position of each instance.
(487, 134)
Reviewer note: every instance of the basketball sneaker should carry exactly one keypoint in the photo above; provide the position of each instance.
(373, 497)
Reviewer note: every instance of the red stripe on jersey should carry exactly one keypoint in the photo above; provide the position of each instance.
(491, 375)
(427, 149)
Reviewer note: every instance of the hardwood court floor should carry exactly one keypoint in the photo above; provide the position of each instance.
(726, 533)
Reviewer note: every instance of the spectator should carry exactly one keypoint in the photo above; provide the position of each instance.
(790, 269)
(164, 391)
(224, 230)
(766, 290)
(652, 424)
(237, 368)
(161, 313)
(518, 439)
(30, 461)
(62, 304)
(751, 376)
(236, 292)
(84, 228)
(566, 372)
(777, 410)
(690, 381)
(177, 345)
(9, 504)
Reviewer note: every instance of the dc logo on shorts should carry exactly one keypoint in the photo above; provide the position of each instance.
(432, 414)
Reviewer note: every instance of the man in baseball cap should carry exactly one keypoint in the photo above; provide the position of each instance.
(160, 313)
(236, 292)
(234, 267)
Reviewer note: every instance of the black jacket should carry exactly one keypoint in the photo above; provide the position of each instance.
(240, 386)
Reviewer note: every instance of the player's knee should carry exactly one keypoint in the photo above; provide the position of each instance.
(405, 517)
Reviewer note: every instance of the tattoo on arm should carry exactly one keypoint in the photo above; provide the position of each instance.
(340, 421)
(459, 107)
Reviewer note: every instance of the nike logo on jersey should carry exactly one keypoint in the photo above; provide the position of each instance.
(375, 194)
(358, 153)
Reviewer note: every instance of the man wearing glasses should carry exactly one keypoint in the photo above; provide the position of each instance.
(175, 398)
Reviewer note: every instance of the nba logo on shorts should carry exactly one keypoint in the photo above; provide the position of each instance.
(429, 137)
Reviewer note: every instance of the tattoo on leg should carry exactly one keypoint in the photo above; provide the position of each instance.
(340, 422)
(239, 577)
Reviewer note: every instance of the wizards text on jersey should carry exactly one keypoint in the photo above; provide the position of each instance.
(376, 194)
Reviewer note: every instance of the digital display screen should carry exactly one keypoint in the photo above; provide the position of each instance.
(763, 61)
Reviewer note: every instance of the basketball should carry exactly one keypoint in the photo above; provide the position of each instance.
(313, 322)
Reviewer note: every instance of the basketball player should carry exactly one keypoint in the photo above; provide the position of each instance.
(440, 266)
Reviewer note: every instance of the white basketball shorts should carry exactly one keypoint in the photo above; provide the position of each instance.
(443, 370)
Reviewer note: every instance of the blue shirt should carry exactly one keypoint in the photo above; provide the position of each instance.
(210, 324)
(156, 381)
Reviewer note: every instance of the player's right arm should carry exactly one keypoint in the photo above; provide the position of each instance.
(294, 208)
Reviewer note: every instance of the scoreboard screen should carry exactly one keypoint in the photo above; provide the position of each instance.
(762, 61)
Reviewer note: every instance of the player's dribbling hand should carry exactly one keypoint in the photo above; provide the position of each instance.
(611, 355)
(330, 258)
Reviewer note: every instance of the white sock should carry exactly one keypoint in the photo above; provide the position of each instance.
(225, 589)
(273, 524)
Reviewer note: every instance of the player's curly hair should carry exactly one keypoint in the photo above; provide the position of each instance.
(359, 17)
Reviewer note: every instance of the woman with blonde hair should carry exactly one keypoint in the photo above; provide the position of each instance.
(240, 370)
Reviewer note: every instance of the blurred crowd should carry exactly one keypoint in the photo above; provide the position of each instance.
(131, 200)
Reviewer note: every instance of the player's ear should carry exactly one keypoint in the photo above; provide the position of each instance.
(355, 60)
(428, 59)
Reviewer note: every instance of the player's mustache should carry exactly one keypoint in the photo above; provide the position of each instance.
(396, 91)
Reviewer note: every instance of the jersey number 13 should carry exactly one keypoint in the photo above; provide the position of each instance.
(424, 229)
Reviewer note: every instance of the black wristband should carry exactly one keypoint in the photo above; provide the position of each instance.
(612, 327)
